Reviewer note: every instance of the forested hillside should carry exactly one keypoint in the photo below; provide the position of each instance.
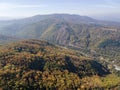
(35, 64)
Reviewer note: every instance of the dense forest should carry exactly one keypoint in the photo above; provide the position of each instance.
(35, 65)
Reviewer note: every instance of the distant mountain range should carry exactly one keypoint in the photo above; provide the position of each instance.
(68, 30)
(109, 17)
(41, 25)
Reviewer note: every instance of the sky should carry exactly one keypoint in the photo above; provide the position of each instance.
(26, 8)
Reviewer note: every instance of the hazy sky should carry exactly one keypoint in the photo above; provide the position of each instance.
(21, 8)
